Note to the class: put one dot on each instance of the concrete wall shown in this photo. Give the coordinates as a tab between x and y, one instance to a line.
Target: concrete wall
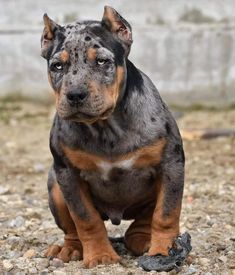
186	46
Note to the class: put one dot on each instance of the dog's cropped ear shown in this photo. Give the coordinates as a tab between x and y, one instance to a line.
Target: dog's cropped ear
115	23
48	36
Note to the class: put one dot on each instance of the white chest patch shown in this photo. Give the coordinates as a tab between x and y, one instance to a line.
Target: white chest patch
106	167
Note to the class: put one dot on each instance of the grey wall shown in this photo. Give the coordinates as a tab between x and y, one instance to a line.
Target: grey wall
186	46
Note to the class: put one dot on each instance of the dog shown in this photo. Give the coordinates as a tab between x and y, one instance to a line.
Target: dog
117	150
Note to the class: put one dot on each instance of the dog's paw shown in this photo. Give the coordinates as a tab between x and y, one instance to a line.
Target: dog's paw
64	253
177	254
91	261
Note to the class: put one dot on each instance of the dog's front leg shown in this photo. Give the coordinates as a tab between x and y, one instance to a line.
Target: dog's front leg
89	225
165	221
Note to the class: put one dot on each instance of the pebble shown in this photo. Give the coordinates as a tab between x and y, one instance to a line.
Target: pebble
17	222
233	272
220	247
189	260
39	167
59	272
44	272
7	265
223	259
191	270
13	239
29	253
41	263
57	263
4	190
33	270
204	261
12	254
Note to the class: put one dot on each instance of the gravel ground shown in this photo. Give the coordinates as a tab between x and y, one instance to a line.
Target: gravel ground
27	226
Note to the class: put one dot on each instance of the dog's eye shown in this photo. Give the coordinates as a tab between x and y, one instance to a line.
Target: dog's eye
101	61
58	66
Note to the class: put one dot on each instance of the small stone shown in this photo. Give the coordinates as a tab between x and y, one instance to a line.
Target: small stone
191	270
12	254
39	167
29	253
204	261
33	270
4	190
57	263
220	247
223	259
189	260
44	272
13	239
17	222
10	144
7	265
41	263
59	272
233	272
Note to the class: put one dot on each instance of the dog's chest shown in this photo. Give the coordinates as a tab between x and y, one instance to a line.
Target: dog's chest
103	166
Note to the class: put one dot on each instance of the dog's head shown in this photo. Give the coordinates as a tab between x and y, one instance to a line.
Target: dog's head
86	65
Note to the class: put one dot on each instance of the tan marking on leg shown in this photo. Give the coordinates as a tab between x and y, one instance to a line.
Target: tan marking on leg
72	246
138	235
64	56
92	233
62	209
165	228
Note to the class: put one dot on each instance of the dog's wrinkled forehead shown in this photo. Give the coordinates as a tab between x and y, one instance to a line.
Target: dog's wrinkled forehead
113	32
81	38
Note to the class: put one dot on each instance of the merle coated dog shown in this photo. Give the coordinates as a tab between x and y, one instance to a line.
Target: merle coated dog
116	147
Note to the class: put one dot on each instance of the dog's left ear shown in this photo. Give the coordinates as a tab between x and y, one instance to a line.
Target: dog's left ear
118	26
48	35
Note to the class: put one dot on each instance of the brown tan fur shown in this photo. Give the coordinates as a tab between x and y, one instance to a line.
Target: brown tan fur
64	56
47	30
144	156
110	17
164	228
91	54
72	248
96	246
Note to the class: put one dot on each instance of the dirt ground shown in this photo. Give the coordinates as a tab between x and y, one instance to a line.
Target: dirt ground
27	226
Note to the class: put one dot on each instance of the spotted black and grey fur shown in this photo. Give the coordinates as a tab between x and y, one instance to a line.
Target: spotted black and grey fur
109	114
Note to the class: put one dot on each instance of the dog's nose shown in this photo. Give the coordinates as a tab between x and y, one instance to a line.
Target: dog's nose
76	96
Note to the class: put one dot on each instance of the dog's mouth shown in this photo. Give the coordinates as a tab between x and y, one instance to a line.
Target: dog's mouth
89	118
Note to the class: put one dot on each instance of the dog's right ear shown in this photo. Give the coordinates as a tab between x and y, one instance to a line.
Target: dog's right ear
48	36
